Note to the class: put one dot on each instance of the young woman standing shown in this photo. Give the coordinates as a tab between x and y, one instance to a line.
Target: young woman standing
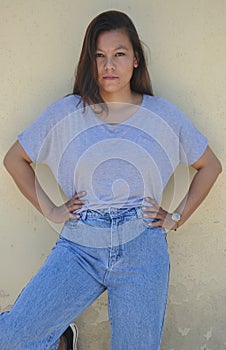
112	147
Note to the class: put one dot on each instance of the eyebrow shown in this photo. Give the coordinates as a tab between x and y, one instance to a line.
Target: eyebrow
117	48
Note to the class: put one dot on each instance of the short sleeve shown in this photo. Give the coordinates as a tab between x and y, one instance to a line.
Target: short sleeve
192	143
33	138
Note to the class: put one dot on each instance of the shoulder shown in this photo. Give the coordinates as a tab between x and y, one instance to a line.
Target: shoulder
166	110
161	106
55	113
58	110
67	104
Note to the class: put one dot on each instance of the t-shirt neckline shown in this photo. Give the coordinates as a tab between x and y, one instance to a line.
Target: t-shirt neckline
115	125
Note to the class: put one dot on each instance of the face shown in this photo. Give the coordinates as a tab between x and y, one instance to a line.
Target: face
116	61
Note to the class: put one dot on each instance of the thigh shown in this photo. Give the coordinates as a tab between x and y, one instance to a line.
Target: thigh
138	293
56	295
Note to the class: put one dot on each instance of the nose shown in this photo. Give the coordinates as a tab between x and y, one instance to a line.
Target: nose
109	63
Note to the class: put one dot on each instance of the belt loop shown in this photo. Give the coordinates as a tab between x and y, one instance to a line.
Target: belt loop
84	214
138	212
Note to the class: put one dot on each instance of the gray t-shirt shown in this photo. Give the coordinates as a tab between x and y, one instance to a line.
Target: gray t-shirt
117	165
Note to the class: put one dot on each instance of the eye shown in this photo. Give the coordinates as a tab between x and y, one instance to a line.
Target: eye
98	54
120	54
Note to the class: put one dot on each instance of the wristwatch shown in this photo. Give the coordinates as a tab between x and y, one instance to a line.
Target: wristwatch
176	217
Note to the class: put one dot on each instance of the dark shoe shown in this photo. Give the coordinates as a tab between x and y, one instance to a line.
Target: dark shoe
71	337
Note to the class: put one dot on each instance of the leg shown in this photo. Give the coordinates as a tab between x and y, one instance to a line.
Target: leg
59	292
138	287
62	344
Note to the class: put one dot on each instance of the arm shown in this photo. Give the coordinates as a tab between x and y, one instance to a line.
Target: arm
208	168
18	165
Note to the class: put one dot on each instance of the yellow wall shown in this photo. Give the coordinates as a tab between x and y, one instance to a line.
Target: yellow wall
40	43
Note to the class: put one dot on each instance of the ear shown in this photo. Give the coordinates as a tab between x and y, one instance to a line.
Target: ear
136	61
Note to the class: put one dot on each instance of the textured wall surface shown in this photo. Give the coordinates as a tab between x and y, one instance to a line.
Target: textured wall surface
40	43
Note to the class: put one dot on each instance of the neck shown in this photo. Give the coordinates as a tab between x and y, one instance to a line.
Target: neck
119	111
129	97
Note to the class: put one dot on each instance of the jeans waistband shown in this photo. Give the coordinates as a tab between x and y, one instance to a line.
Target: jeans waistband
109	227
112	212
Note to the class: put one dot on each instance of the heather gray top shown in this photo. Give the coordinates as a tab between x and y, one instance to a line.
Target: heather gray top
117	165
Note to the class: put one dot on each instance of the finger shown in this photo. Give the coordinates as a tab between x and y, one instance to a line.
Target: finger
152	201
79	195
154	216
77	202
151	214
73	207
149	209
158	223
74	216
156	210
148	213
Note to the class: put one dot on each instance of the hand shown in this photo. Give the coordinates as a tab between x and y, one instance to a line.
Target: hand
65	212
154	211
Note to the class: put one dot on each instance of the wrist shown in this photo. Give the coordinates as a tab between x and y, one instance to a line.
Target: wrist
50	212
176	217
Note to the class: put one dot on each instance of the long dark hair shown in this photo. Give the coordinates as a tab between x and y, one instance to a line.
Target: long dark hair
86	73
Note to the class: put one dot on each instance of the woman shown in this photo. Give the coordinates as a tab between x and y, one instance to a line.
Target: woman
115	146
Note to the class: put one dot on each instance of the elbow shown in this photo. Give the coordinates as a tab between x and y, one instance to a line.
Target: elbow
11	160
8	161
16	160
218	167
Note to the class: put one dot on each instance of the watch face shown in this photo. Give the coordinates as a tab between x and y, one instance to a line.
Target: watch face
176	217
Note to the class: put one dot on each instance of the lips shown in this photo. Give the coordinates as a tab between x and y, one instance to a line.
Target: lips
110	77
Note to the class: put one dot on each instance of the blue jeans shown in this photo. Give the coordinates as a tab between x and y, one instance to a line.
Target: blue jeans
135	273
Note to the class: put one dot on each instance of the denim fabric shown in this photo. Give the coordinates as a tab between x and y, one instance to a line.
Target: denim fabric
135	273
106	227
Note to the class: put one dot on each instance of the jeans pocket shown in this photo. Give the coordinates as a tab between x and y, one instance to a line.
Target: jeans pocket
160	229
146	222
72	223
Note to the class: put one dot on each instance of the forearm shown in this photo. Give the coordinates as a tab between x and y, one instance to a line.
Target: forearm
25	179
199	189
19	166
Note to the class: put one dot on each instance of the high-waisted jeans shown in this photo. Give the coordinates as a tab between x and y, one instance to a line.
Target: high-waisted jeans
112	249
